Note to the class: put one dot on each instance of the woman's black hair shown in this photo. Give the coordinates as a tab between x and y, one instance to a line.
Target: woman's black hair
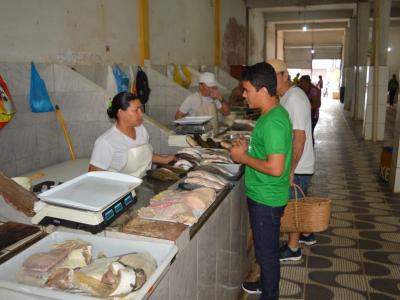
120	101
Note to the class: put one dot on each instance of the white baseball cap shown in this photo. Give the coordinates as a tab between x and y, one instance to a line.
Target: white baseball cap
208	79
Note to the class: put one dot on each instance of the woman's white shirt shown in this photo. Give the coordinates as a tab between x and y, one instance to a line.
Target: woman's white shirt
110	150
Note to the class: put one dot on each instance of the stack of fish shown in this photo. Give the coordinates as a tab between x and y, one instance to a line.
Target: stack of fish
188	158
69	266
218	170
179	206
204	178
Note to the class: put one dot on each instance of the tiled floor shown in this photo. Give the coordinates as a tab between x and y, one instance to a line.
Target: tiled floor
358	257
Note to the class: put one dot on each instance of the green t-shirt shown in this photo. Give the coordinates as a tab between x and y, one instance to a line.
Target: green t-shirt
271	135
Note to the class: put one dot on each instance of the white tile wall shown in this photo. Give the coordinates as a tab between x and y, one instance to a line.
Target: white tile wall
36	140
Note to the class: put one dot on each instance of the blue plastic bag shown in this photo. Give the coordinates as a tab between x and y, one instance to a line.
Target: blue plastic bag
39	99
121	79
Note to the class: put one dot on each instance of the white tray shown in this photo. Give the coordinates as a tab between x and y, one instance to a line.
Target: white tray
162	251
91	191
193	120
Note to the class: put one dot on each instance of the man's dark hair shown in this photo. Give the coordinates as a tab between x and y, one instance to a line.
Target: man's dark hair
261	75
306	78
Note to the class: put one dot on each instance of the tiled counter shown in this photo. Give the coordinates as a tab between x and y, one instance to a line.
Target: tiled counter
214	263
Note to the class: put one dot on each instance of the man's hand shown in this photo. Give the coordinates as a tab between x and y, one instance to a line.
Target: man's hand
239	149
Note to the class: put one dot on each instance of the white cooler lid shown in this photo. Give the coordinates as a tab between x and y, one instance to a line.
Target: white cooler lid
91	191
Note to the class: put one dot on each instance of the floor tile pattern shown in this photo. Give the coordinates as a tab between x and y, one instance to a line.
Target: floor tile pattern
358	257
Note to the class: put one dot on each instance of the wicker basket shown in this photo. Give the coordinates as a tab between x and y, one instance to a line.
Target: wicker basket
309	214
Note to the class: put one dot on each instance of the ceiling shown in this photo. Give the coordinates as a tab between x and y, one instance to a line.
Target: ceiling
326	20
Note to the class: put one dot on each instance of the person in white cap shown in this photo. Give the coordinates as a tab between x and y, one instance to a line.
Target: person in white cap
205	101
295	101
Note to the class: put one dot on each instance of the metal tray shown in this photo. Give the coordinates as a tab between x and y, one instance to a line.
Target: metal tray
193	120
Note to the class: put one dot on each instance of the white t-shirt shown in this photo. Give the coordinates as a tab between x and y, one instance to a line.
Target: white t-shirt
110	150
298	106
193	101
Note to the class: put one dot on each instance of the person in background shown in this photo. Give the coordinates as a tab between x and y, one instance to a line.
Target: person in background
236	98
320	83
267	160
203	102
393	88
296	80
294	100
125	146
314	95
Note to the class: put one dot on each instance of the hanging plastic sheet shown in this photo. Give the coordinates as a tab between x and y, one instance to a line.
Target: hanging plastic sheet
121	79
7	109
39	98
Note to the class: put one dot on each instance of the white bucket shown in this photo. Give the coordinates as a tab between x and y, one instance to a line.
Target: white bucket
25	182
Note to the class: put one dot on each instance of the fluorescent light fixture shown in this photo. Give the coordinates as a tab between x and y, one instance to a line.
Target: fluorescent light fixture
389	49
305	28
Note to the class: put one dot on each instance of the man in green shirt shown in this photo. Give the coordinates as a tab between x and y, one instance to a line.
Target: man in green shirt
267	159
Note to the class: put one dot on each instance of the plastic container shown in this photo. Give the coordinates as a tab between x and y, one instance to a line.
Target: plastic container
162	251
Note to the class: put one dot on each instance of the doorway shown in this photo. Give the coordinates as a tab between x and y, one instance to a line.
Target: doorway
329	69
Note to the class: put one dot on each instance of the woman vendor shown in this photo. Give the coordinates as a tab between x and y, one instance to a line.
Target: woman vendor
125	146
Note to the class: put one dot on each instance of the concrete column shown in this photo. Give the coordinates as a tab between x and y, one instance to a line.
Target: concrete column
349	64
363	12
375	106
270	41
256	36
394	181
279	45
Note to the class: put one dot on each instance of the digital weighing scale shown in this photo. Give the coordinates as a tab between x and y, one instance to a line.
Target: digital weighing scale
89	202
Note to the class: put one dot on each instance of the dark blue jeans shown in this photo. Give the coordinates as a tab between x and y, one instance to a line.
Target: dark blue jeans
303	181
265	223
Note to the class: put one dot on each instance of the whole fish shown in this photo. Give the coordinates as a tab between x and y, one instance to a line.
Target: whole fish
200	141
204	182
184	164
208	176
215	169
163	174
176	170
193	160
191	141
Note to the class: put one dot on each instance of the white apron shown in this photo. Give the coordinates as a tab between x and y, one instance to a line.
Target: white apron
208	109
138	161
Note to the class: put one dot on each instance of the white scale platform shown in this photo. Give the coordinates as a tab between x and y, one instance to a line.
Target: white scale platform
90	201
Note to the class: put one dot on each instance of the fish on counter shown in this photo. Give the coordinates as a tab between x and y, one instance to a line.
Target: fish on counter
163	174
189	157
204	182
184	164
212	144
226	145
216	169
209	176
191	142
178	206
200	141
176	170
69	266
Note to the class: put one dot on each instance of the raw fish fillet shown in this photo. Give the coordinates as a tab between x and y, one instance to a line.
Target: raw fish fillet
142	260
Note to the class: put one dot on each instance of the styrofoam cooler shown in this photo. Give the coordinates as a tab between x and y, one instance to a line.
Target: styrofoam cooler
162	251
